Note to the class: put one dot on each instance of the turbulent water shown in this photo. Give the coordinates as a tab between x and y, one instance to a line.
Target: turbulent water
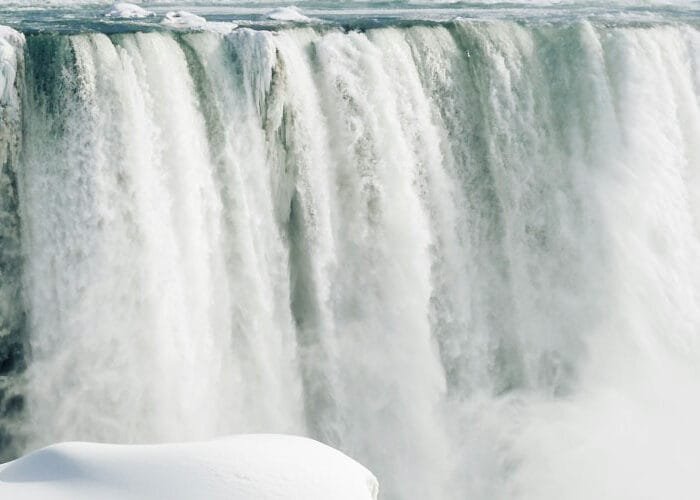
465	252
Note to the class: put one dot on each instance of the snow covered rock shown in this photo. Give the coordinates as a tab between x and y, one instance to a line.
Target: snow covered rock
245	467
292	14
183	19
124	10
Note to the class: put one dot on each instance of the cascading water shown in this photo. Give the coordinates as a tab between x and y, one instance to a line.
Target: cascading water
465	253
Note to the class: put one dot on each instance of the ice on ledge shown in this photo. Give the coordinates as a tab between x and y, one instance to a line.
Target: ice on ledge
261	467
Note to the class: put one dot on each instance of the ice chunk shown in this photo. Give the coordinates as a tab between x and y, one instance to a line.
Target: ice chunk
124	10
291	13
263	467
183	19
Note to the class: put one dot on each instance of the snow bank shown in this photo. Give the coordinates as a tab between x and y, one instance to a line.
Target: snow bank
183	19
292	14
11	42
260	467
124	10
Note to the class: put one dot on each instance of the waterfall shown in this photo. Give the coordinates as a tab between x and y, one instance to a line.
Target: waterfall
464	253
12	310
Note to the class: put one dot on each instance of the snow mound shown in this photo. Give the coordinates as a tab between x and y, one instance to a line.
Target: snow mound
245	467
11	42
183	19
124	10
292	14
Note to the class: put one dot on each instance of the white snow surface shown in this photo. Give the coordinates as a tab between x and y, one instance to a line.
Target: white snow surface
125	10
244	467
183	19
10	42
291	13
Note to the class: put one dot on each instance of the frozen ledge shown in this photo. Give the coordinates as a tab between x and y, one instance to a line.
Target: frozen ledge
245	467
